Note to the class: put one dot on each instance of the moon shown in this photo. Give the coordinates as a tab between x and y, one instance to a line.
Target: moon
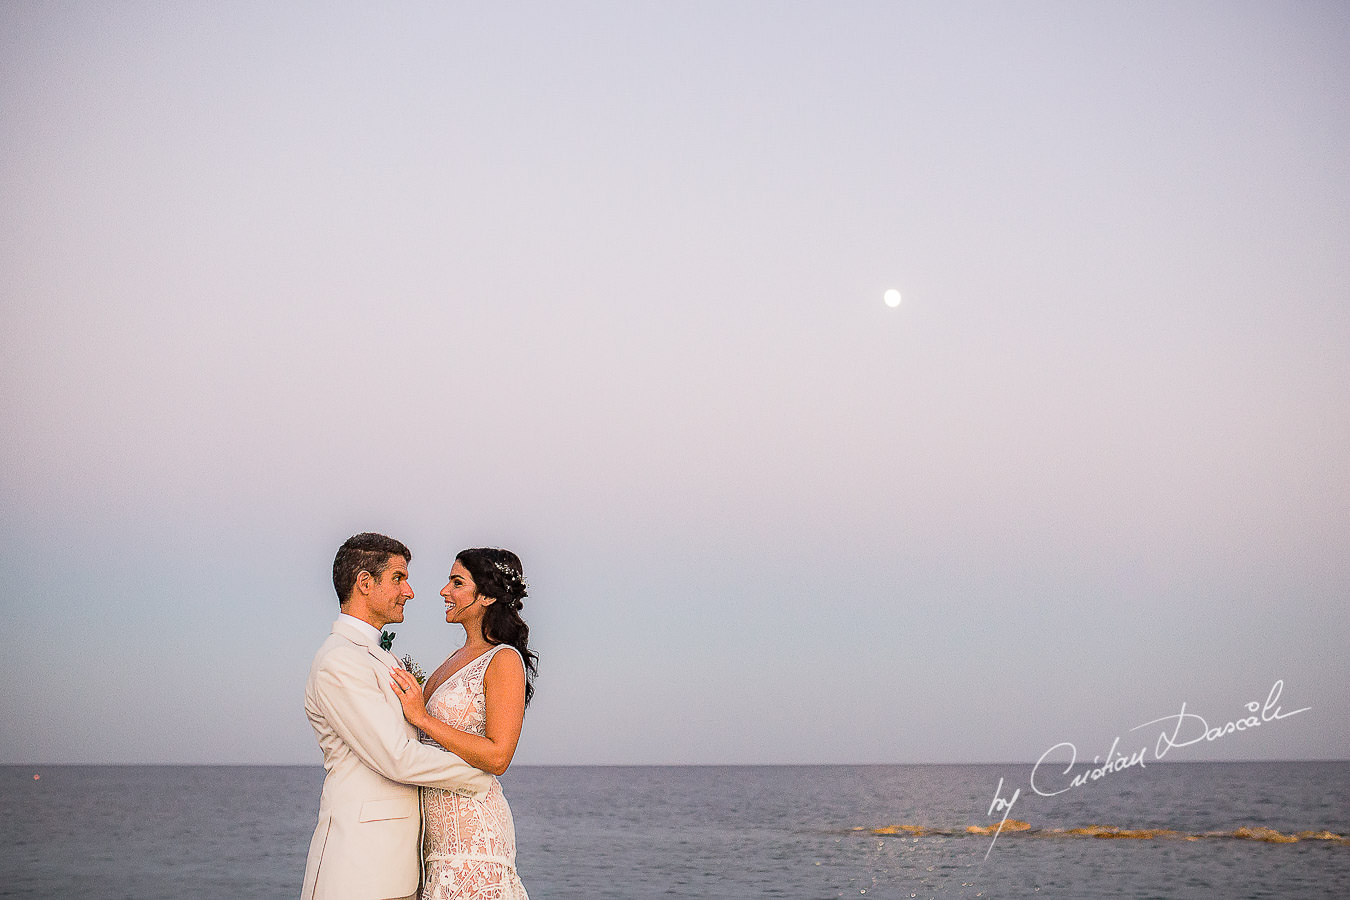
892	298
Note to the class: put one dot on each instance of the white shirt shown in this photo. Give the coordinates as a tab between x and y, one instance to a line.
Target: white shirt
365	628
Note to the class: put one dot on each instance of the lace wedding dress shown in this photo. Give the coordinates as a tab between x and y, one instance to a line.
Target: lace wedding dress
470	845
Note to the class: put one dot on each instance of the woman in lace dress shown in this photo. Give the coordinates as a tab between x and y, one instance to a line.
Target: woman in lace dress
473	705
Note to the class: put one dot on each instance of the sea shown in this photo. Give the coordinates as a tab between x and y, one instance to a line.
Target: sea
1183	830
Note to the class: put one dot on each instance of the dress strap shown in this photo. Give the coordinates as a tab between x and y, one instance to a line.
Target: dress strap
479	666
493	652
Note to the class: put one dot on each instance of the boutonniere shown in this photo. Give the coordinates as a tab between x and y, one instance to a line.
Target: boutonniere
387	639
414	669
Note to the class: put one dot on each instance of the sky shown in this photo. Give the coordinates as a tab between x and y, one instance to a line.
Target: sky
602	283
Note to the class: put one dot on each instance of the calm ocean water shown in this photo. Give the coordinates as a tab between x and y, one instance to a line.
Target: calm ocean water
225	833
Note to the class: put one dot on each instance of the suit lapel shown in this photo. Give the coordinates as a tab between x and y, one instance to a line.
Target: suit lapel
385	657
343	628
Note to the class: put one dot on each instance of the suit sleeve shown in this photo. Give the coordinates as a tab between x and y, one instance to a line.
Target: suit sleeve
348	692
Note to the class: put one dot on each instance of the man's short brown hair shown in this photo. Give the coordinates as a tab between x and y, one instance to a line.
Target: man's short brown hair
365	552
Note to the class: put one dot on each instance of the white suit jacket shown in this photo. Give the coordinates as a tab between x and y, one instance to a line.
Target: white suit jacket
366	844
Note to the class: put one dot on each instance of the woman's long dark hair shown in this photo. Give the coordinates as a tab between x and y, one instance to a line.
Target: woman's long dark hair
498	574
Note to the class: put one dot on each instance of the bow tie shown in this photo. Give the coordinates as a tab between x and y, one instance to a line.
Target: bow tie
387	639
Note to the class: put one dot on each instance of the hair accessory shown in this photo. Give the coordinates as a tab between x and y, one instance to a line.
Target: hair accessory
512	573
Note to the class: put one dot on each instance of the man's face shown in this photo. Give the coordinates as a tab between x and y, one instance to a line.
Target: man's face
389	592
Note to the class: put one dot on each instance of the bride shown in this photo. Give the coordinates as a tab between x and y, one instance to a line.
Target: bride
473	705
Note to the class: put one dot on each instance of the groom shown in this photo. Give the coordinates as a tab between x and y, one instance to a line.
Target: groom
366	844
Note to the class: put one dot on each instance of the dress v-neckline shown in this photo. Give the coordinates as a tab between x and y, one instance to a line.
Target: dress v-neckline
452	675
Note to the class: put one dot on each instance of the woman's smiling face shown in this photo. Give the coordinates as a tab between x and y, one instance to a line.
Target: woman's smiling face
461	595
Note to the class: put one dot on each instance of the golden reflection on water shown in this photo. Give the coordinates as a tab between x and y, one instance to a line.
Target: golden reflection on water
1016	826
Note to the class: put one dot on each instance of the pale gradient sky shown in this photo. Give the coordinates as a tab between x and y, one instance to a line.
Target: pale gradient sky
603	283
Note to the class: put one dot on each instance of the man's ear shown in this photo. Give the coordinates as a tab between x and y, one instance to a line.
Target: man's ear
364	581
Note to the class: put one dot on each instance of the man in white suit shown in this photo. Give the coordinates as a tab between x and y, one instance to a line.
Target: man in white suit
366	846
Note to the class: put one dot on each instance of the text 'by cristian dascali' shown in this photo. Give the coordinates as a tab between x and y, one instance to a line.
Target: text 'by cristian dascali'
1182	729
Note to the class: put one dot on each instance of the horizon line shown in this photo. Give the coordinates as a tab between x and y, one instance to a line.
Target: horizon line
613	765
